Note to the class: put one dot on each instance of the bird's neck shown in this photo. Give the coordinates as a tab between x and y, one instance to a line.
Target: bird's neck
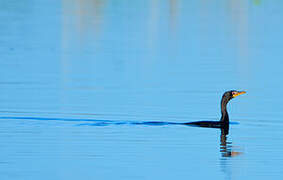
224	113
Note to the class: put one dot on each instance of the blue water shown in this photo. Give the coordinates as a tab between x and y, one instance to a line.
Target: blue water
82	81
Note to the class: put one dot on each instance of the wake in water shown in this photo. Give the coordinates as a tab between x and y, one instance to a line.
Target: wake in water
97	122
149	123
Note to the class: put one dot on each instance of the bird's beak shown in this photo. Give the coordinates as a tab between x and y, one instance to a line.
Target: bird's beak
238	93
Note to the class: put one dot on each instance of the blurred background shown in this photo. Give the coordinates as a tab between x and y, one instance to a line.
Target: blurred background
67	65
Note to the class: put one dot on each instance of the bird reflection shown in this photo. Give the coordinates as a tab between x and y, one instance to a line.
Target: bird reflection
226	148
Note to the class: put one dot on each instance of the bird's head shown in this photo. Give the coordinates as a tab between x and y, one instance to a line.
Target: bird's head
228	95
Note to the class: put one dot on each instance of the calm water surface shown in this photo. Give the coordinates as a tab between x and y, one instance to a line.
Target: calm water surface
78	79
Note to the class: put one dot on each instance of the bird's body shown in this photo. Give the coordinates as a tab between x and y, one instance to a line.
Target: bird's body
209	124
224	120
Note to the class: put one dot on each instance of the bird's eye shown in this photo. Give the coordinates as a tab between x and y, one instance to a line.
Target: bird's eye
234	93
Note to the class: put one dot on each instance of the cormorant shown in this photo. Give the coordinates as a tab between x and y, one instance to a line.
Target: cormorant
224	121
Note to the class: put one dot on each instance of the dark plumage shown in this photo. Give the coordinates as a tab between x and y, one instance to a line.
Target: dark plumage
224	120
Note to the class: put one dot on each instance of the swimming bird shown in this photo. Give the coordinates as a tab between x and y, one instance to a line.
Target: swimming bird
224	120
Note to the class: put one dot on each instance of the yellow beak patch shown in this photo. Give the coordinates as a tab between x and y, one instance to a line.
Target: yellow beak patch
235	94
